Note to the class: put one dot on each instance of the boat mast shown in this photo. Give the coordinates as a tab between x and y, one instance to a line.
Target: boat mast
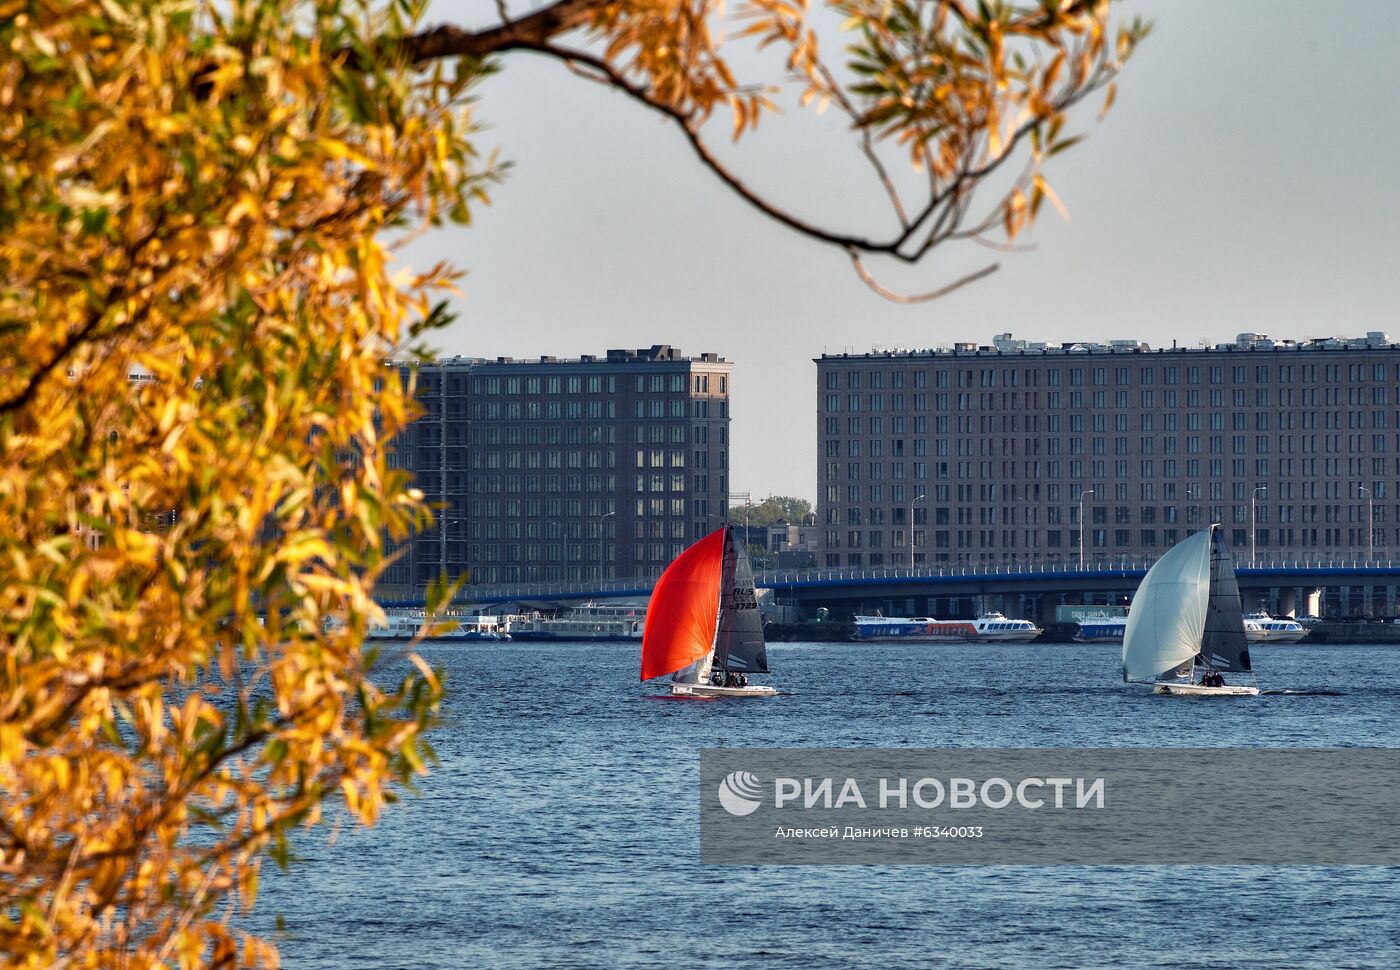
719	606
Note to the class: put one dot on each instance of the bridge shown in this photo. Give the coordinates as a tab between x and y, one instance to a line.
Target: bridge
1348	587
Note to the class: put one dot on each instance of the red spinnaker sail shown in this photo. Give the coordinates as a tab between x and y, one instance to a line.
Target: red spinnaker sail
684	607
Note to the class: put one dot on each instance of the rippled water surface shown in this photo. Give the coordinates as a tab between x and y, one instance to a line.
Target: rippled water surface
560	828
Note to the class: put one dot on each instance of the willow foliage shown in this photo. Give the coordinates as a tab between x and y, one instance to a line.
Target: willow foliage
195	303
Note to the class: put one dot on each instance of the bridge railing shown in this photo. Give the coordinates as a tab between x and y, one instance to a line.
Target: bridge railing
1068	570
642	585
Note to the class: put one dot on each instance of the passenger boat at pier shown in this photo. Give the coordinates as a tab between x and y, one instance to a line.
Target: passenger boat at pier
405	625
1263	628
1101	628
988	626
581	623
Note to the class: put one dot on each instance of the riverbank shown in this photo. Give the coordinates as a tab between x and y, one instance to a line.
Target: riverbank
1362	632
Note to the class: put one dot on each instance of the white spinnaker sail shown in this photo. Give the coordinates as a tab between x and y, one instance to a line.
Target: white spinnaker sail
1168	614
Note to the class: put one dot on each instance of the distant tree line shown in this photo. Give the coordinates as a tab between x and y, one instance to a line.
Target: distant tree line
771	511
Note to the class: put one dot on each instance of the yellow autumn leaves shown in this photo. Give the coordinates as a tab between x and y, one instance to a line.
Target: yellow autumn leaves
194	410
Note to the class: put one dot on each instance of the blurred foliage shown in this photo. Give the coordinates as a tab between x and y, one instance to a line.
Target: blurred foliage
195	305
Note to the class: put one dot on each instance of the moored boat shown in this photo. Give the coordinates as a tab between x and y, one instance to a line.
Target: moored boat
1101	628
988	626
581	623
1263	628
407	624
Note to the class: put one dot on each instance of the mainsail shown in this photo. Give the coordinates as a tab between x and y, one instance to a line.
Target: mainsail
1223	645
680	625
739	643
1168	616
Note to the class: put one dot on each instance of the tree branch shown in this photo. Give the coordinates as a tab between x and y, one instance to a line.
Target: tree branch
894	297
449	40
945	207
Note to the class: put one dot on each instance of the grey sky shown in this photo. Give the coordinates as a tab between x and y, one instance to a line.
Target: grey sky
1244	181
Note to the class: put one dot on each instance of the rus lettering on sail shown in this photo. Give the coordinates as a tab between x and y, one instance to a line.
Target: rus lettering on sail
745	599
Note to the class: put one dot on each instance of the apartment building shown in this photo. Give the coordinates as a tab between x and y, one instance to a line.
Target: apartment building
1049	452
555	469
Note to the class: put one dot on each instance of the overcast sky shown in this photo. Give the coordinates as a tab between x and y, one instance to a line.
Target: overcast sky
1245	180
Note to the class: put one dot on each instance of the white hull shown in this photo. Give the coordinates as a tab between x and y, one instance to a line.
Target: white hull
924	629
710	690
1274	636
953	638
1263	628
1199	690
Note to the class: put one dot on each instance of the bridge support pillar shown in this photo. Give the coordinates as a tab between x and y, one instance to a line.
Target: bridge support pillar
1045	615
1250	600
1288	601
1314	602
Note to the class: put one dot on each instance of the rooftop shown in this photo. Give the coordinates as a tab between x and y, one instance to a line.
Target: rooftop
1003	344
656	353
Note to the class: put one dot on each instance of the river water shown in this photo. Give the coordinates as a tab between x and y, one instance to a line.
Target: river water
560	828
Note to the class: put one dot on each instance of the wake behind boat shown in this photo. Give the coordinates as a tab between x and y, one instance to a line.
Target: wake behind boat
703	627
1186	622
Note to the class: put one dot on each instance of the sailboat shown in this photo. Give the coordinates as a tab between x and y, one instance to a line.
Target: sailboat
1186	627
703	626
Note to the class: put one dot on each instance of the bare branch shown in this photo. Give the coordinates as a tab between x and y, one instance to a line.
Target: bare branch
866	143
1002	247
449	40
939	219
611	76
894	297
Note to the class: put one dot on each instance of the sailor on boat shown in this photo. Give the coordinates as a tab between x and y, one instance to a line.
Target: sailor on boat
1186	618
703	625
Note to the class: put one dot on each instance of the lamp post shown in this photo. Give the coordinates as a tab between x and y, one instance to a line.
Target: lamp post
1370	532
1252	496
918	498
600	542
1087	491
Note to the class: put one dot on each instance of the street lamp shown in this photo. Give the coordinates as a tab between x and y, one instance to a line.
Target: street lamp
918	498
1087	491
600	542
1252	496
1370	532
